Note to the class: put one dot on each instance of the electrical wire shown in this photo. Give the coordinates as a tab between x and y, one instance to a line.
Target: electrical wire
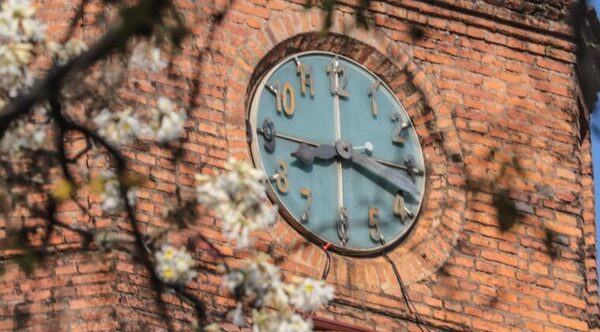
327	266
409	304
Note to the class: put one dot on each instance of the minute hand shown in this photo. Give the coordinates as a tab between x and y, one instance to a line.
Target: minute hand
399	180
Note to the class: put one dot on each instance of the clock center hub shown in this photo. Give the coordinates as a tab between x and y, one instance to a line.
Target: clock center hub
344	149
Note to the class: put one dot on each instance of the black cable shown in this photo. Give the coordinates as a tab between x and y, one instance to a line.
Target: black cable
409	304
327	266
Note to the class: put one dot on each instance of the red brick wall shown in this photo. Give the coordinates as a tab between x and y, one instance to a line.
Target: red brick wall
486	78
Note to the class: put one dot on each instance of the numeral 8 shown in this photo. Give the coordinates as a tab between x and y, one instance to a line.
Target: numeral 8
281	180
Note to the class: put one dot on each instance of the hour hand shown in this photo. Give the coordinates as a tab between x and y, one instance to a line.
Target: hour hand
307	154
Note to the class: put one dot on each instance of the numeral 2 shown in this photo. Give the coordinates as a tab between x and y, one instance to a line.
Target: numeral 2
400	126
337	78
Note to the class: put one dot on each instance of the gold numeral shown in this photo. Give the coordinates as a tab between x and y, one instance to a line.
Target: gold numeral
338	79
306	78
281	180
400	209
372	93
286	100
343	226
307	194
374	230
400	126
284	97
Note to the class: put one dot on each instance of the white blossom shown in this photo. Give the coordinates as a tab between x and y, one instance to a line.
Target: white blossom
14	73
236	316
166	123
117	127
174	266
23	135
65	52
214	327
147	56
111	193
311	294
238	197
295	323
17	23
232	280
19	32
259	280
265	320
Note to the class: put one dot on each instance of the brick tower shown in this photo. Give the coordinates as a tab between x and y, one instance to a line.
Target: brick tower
505	238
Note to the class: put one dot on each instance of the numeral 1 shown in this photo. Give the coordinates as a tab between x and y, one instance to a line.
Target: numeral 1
374	231
372	93
307	194
307	78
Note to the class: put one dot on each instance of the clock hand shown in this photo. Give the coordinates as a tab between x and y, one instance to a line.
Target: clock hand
307	154
286	137
343	150
399	180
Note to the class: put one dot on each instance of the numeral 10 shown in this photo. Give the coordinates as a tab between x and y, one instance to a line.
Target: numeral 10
285	97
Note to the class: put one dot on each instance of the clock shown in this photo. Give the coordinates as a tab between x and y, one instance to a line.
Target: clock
341	155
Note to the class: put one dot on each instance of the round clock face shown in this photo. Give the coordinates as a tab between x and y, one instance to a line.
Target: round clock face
342	157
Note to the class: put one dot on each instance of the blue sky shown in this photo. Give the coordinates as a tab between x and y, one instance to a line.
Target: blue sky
595	124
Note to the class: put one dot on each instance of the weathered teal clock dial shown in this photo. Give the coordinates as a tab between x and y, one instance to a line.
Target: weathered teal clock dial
342	157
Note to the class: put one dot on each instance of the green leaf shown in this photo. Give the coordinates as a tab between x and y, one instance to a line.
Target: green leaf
26	262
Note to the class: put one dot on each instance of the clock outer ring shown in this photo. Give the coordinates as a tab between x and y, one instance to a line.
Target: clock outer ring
283	210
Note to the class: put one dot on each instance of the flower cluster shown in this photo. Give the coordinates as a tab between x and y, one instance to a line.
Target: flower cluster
174	266
19	33
239	199
260	281
269	321
23	136
310	295
118	128
166	124
108	187
62	53
146	55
